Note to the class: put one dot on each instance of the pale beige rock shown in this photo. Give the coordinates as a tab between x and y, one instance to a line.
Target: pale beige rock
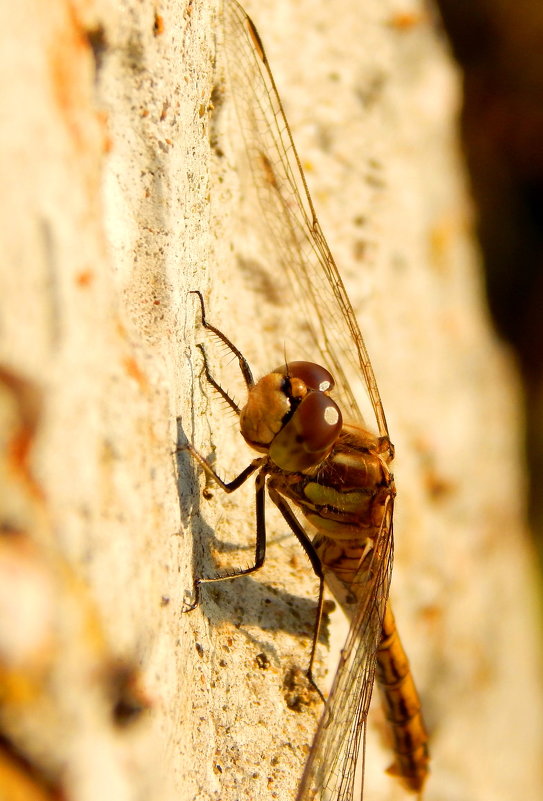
114	207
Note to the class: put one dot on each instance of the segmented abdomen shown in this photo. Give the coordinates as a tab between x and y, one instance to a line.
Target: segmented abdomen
402	708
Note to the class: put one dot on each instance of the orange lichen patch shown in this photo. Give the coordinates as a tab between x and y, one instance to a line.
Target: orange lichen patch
431	614
440	241
443	236
71	74
102	118
20	401
158	27
121	329
133	369
405	20
84	278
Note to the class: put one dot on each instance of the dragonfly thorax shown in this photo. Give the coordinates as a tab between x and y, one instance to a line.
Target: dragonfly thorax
290	416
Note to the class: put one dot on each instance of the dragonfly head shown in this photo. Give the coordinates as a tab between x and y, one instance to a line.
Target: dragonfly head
290	415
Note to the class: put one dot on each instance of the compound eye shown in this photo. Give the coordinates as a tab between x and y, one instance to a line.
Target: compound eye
318	421
313	375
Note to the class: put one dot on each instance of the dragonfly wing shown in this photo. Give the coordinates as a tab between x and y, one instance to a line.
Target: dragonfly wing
288	220
317	298
330	769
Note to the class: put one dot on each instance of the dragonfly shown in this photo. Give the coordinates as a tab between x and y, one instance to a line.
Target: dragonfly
320	457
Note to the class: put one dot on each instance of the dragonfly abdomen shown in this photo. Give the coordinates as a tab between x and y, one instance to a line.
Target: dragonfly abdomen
402	708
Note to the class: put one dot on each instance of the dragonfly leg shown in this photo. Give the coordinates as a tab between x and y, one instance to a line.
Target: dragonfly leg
260	546
243	363
307	545
215	384
230	486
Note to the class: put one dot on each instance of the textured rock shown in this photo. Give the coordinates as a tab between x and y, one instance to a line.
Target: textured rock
118	207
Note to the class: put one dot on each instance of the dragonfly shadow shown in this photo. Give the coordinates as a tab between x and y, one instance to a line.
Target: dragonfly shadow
243	600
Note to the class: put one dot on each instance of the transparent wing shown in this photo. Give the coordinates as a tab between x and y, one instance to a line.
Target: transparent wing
329	772
288	218
289	223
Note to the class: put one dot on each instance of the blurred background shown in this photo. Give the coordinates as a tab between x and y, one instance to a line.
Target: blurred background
499	46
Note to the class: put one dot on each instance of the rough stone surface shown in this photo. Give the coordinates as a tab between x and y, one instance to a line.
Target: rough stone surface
117	207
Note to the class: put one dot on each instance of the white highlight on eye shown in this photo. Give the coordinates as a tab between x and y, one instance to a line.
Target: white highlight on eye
324	386
331	415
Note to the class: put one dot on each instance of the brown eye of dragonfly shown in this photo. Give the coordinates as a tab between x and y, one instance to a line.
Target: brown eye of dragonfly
308	436
313	375
318	422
